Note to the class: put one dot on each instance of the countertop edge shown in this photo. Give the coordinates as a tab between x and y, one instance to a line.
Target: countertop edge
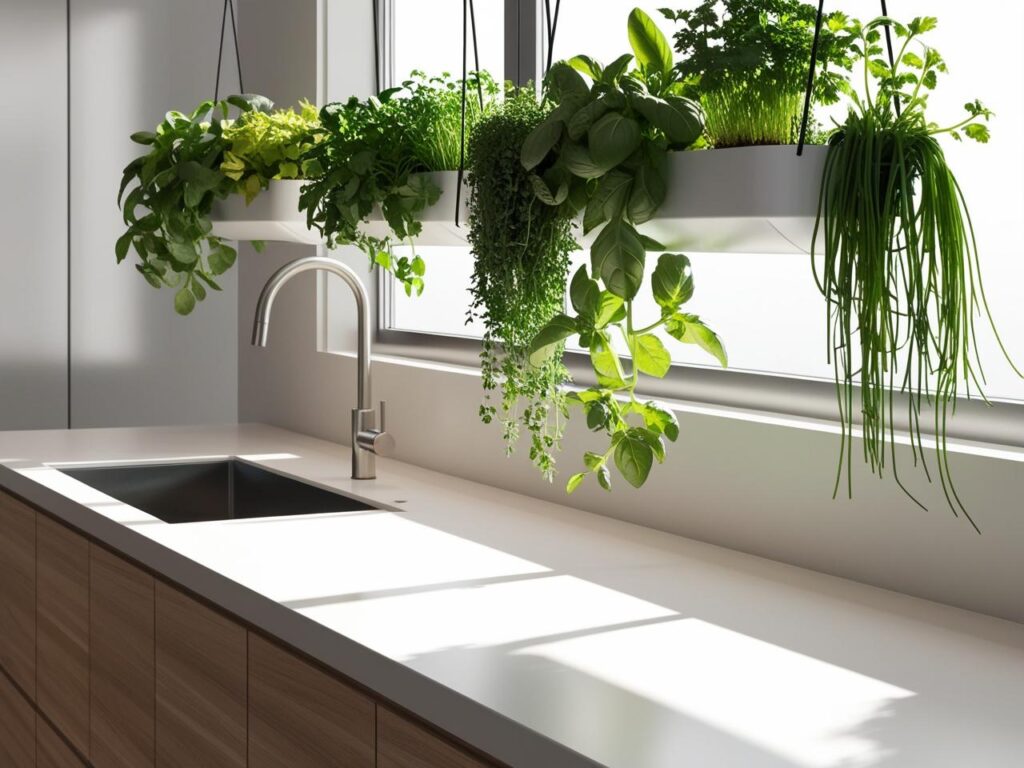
479	726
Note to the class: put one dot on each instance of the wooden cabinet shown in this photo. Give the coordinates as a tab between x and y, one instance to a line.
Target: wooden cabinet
299	715
18	592
121	640
200	684
402	743
62	630
105	666
51	750
17	727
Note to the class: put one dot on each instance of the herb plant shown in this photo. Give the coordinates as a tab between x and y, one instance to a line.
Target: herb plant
374	153
263	146
747	59
170	191
521	248
900	269
603	150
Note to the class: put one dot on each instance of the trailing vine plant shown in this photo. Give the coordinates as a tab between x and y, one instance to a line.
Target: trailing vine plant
899	264
521	248
375	153
747	61
603	150
171	189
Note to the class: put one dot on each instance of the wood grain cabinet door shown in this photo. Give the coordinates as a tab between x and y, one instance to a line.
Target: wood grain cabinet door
51	751
402	743
301	716
18	592
62	630
200	685
17	728
121	637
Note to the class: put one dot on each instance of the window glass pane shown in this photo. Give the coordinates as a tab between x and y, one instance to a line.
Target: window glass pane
428	36
444	304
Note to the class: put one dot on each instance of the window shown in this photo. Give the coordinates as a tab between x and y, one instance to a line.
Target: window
766	308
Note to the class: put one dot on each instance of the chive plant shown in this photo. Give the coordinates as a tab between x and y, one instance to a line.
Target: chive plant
899	267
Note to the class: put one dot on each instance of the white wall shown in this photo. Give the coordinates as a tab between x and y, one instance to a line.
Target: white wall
133	360
760	486
33	214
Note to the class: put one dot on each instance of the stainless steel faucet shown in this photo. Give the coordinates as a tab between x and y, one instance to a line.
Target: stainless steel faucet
367	440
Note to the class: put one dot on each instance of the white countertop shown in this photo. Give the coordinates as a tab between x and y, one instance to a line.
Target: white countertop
547	636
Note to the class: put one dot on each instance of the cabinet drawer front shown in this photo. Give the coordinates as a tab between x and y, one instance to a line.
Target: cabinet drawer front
300	716
121	646
402	743
17	728
62	650
18	592
200	684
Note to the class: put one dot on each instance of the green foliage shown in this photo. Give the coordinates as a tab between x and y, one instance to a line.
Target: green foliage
268	145
900	269
521	248
375	153
748	59
602	150
166	195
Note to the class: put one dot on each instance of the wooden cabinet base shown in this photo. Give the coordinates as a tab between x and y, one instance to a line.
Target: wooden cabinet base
200	685
299	715
17	727
402	743
62	641
51	751
121	638
18	592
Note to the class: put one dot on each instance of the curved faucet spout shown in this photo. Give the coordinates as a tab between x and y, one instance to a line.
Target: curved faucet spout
261	324
368	438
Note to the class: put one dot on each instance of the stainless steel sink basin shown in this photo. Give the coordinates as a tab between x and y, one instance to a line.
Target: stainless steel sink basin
221	490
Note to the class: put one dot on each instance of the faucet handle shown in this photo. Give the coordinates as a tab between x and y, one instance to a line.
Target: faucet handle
375	440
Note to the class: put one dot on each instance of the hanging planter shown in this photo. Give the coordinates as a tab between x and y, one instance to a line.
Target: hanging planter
443	223
273	215
739	200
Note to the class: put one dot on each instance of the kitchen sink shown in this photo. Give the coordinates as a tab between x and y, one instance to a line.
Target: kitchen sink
220	490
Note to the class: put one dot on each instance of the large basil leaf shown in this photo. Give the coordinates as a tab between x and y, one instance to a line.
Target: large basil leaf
650	355
608	200
634	457
648	43
539	142
672	281
617	255
690	330
544	344
585	295
648	194
579	162
612	139
607	366
564	82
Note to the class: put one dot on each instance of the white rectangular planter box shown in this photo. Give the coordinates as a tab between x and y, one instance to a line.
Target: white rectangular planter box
438	220
739	200
273	215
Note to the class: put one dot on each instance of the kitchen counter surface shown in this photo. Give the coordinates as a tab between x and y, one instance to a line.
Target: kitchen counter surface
550	637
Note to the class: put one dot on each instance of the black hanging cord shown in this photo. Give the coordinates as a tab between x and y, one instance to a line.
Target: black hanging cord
468	13
552	29
892	61
377	76
810	78
814	59
228	6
